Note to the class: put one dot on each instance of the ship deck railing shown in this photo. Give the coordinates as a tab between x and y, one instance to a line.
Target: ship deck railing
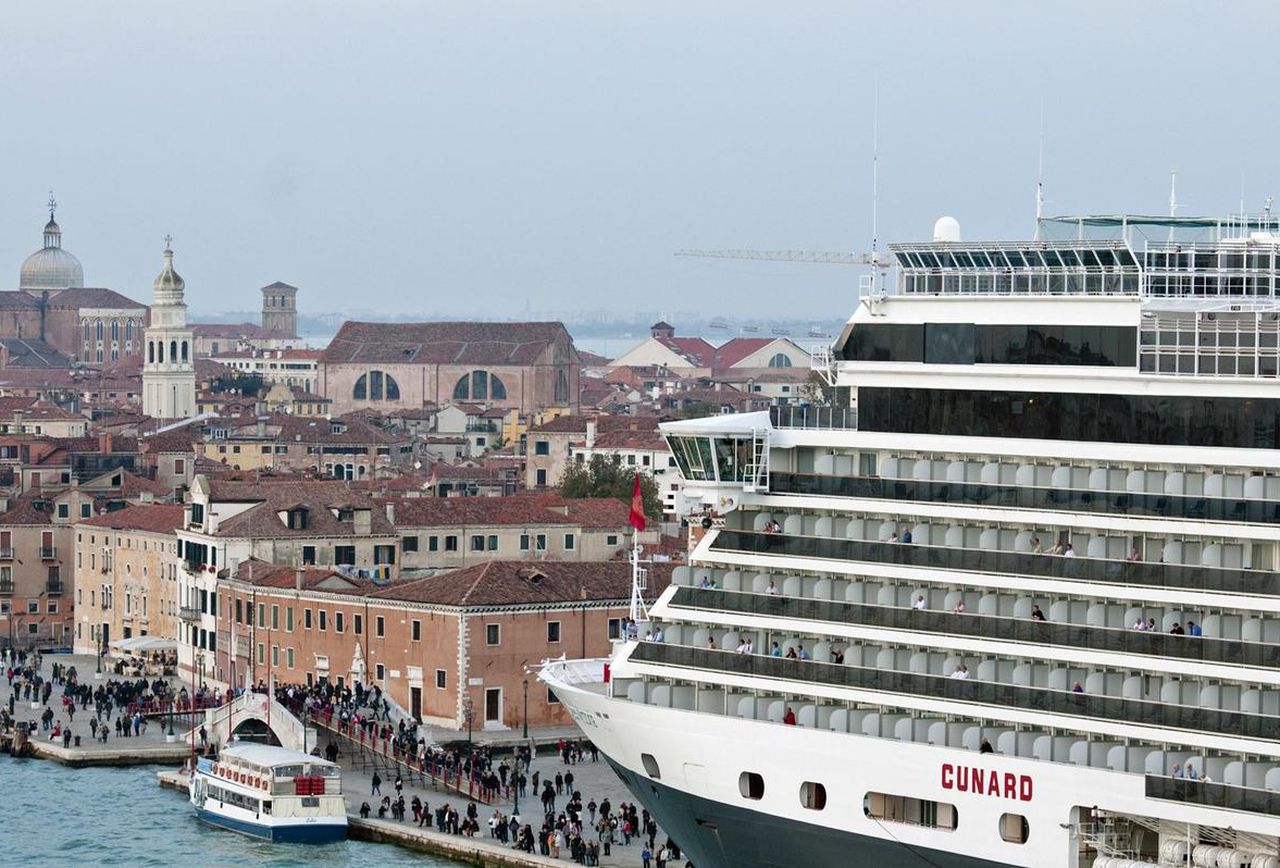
1079	569
1060	744
1060	703
813	417
1238	510
972	625
1213	794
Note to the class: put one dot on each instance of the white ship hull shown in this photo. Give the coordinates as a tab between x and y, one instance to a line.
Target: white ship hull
698	802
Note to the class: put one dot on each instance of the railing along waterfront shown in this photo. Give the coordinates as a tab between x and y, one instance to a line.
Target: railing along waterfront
1240	510
1078	569
1010	697
1079	637
1213	795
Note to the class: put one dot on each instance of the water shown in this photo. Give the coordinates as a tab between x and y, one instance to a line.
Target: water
54	815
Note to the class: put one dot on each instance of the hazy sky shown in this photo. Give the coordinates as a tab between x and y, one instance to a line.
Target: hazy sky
476	158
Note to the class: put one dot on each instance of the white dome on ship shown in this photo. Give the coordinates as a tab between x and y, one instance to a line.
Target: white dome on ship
51	267
946	229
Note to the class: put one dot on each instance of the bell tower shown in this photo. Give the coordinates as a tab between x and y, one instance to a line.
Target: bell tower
168	363
280	310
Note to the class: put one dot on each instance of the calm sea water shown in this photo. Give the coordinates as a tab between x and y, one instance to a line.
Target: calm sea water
53	815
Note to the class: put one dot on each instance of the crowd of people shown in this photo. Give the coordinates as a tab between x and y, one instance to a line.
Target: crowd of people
570	828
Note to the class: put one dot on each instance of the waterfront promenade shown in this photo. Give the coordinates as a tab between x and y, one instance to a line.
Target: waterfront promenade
152	746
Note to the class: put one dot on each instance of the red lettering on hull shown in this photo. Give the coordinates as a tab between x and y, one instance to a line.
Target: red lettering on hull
984	782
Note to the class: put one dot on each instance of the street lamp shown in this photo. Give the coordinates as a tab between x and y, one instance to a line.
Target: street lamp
525	728
468	714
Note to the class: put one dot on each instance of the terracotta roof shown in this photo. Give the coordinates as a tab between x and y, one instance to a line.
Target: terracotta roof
514	583
696	350
267	575
89	296
736	349
32	508
604	422
155	518
444	343
461	511
272	496
630	440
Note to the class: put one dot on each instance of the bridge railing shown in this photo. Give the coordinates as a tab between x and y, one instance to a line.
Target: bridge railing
430	768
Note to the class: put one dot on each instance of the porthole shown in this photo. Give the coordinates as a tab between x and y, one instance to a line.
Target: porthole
1014	828
651	766
813	796
751	785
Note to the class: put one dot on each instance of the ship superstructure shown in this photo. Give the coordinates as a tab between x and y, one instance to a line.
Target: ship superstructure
1010	599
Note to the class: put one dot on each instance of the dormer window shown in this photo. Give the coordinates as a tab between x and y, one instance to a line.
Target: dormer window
296	518
346	513
337	427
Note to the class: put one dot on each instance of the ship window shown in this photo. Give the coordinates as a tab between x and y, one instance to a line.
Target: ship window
751	785
1014	828
813	796
650	766
913	812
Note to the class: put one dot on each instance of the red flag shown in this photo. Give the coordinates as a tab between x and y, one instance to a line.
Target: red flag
637	506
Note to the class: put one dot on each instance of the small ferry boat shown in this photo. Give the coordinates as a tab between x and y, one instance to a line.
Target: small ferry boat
270	793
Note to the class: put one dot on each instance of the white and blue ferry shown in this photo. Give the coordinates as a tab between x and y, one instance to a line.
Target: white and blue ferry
270	793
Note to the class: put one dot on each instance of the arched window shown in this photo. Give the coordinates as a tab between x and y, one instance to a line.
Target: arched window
115	330
99	330
86	331
780	360
128	330
184	351
151	352
173	351
160	352
376	386
562	387
479	386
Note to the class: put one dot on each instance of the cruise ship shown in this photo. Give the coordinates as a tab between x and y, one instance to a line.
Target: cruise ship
1010	598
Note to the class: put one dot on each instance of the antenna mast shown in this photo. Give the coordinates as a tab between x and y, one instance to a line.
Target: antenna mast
875	171
1040	173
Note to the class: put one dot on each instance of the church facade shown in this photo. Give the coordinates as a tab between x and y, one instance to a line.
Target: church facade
52	310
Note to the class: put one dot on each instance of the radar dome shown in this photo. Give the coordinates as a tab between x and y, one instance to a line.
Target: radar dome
946	229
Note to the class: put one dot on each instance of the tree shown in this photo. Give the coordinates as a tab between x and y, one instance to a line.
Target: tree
607	476
699	410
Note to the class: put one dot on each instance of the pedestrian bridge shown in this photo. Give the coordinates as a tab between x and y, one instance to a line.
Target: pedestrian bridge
257	717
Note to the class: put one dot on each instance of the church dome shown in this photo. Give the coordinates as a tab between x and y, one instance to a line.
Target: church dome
51	267
168	284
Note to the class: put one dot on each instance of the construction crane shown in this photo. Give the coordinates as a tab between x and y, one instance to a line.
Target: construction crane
819	256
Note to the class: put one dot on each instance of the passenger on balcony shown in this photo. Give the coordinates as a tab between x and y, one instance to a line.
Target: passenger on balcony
1191	772
1036	614
906	534
1036	547
1068	551
893	537
790	717
775	651
1177	771
772	589
791	654
1193	629
772	526
961	672
1177	630
1057	548
837	656
803	654
919	605
746	646
711	642
1151	625
1134	554
985	746
1141	624
959	607
1077	688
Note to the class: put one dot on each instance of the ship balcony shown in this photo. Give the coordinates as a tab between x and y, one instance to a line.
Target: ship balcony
1062	744
1034	689
992	561
1238	510
1213	794
941	620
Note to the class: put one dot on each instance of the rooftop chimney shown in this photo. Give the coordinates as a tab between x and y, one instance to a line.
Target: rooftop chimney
391	512
104	443
300	578
591	433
